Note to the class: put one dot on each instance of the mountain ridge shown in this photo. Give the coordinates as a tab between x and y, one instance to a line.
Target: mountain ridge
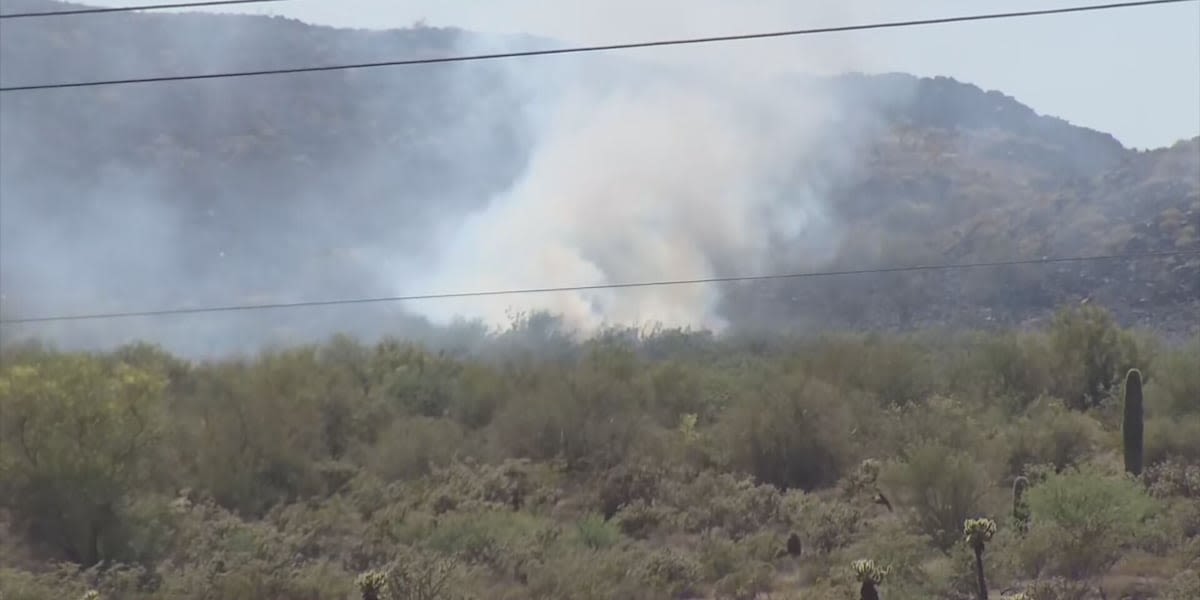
948	172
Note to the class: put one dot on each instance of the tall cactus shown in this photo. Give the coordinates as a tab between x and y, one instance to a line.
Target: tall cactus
978	532
1133	427
1020	509
871	576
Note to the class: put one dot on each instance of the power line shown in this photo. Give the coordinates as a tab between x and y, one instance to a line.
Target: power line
117	9
582	49
604	286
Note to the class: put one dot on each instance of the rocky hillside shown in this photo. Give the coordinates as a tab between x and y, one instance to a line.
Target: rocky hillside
283	173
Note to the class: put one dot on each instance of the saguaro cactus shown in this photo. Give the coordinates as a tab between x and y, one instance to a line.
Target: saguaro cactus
1020	509
1133	426
871	576
978	532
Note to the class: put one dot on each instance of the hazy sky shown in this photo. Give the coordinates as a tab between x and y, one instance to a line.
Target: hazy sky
1131	72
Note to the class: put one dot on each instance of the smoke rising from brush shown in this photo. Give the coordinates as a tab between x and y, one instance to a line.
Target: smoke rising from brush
634	181
567	171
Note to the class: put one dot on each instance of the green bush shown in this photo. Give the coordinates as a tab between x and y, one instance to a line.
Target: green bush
625	466
1173	439
594	532
734	505
414	447
823	525
1175	390
1083	521
1049	434
943	487
1091	355
790	431
1014	367
1184	586
79	437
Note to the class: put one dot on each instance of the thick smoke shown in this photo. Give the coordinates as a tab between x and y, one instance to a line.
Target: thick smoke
564	171
640	182
651	170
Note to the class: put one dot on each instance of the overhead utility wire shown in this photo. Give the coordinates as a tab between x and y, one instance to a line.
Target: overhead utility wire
603	286
118	9
582	49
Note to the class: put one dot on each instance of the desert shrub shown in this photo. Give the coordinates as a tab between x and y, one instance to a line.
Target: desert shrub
584	574
599	472
1175	390
732	567
254	580
483	538
416	575
905	552
626	484
23	585
253	433
790	431
674	572
943	487
823	525
735	505
1172	439
640	520
942	420
1009	366
413	447
412	380
589	417
507	485
1090	355
677	389
751	580
332	530
592	531
1173	479
1057	588
896	370
476	394
213	537
1183	586
1049	434
1082	521
78	439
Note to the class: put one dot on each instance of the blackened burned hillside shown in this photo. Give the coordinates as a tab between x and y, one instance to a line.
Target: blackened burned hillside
290	177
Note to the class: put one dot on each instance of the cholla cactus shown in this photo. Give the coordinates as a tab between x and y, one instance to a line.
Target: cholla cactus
870	575
977	533
1016	596
372	585
91	595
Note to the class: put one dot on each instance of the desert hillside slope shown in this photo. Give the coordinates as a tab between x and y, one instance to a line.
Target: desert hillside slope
290	176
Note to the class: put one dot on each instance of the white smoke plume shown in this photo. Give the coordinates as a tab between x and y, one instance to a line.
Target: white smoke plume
553	171
638	179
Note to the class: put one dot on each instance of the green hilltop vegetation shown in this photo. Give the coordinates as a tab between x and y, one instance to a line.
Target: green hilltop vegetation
672	464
